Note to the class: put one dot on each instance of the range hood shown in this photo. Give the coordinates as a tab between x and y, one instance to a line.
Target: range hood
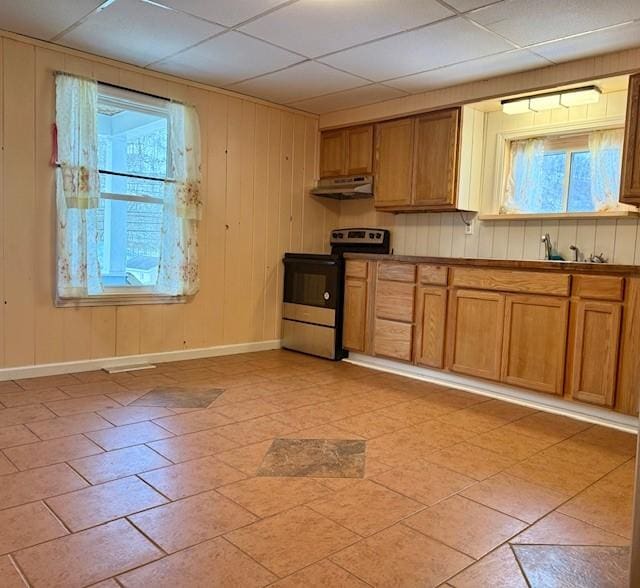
345	188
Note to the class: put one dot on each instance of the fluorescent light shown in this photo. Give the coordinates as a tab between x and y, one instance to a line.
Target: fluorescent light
580	96
517	106
545	102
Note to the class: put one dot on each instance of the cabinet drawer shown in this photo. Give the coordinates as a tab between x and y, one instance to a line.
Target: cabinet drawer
511	281
433	274
598	287
356	268
397	272
395	300
393	339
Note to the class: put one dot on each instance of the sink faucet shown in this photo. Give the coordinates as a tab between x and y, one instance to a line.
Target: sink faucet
576	251
546	239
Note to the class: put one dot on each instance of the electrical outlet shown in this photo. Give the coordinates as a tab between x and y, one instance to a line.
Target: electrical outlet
468	228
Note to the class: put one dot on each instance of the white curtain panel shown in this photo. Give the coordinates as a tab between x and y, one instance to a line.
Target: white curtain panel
606	161
77	187
178	273
523	190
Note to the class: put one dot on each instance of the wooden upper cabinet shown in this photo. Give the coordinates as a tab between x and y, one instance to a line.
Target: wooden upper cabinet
436	159
346	152
595	340
393	165
535	339
630	184
474	333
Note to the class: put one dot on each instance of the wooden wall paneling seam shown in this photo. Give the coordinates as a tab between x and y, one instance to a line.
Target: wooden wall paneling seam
297	184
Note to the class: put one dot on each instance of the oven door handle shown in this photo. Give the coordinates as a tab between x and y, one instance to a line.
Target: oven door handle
328	262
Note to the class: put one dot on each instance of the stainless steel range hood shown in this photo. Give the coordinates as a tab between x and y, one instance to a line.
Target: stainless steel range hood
345	188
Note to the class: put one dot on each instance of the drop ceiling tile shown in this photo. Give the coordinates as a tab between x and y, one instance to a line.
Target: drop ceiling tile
469	71
226	12
616	38
296	83
436	45
226	59
349	99
466	5
43	19
138	32
533	21
317	27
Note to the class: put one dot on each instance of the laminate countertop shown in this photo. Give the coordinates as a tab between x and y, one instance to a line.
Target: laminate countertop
519	264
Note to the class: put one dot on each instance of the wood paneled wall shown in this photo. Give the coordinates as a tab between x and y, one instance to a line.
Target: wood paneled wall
259	161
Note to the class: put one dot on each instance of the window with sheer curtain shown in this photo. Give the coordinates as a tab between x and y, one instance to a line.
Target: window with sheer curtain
128	193
564	174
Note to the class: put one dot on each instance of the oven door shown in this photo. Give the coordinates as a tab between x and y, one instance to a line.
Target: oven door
312	280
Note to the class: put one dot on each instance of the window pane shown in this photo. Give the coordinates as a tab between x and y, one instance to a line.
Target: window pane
552	182
580	183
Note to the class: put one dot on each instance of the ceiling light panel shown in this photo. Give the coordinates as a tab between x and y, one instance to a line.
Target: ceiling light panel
228	58
318	27
516	106
138	32
436	45
533	21
580	97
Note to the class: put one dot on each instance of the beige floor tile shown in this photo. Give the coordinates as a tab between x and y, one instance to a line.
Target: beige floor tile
110	583
321	575
6	467
192	520
400	556
366	507
68	425
93	388
255	430
413	412
107	550
23	487
16	435
471	460
192	477
559	529
516	497
213	563
510	443
304	417
127	435
27	397
246	459
46	382
611	439
133	414
92	506
84	404
191	422
499	569
291	540
44	453
268	496
192	446
24	414
425	482
473	420
120	463
597	459
9	386
93	376
27	525
250	409
547	426
326	431
11	578
369	425
466	526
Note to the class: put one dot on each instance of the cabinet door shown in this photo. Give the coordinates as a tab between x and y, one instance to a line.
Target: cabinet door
333	150
475	333
355	314
595	343
535	339
630	184
359	150
394	163
393	339
436	159
430	326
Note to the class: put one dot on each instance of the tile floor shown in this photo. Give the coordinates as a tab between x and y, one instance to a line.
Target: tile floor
279	469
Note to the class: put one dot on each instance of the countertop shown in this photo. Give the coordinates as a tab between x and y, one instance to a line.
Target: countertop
519	264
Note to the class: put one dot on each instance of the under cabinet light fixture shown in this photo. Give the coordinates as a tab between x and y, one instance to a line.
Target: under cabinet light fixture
549	100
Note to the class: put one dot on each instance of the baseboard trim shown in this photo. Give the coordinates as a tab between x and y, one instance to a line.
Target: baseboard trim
87	365
583	412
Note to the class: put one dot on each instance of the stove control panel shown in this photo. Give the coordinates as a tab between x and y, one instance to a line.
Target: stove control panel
372	236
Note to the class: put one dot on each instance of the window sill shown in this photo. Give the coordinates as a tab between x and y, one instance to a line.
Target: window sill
561	216
119	299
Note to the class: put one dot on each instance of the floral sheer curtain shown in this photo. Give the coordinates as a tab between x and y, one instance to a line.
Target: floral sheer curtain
77	187
605	148
523	190
178	272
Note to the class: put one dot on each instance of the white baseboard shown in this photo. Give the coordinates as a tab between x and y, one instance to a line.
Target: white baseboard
87	365
576	410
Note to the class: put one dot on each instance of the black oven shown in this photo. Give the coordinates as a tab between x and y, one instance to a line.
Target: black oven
312	280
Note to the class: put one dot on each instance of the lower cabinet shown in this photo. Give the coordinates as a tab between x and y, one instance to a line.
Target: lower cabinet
355	314
535	339
431	318
595	335
393	339
475	333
